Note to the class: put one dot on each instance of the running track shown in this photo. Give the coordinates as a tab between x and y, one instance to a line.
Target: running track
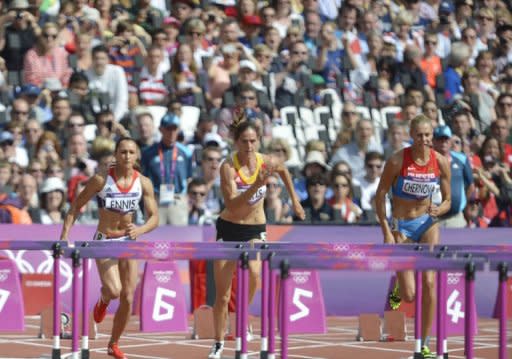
338	343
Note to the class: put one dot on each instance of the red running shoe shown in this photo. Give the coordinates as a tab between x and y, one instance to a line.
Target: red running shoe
100	311
113	350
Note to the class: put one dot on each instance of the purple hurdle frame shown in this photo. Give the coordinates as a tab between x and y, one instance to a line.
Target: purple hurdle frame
245	303
503	276
75	256
56	300
85	309
265	293
418	314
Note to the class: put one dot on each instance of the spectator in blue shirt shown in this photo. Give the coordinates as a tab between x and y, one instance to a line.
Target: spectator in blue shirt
462	183
168	164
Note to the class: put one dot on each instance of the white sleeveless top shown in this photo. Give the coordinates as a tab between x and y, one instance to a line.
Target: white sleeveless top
117	199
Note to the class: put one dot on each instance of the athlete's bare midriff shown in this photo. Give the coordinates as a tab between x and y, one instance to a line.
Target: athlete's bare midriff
246	214
113	224
409	209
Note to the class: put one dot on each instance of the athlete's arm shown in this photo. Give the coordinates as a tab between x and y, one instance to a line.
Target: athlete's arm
391	170
93	186
232	200
273	164
150	207
445	174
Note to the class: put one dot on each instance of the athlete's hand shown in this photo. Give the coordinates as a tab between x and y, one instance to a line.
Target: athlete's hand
389	239
434	210
263	174
133	231
298	210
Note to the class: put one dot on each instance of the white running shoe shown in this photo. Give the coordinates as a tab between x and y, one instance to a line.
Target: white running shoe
216	352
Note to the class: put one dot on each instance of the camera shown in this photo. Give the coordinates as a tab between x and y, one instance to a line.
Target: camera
211	17
81	165
19	15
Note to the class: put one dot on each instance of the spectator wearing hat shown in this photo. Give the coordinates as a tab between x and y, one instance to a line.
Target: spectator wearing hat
461	184
355	151
10	151
315	205
251	27
314	165
46	59
18	33
168	164
52	201
108	79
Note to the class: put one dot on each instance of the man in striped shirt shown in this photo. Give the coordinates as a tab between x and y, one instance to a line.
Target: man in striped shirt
150	90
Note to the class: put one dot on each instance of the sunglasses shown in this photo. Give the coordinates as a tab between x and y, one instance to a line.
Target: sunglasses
50	36
347	113
272	185
195	33
431	42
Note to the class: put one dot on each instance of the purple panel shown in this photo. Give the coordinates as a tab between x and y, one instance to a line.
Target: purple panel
11	307
306	306
163	307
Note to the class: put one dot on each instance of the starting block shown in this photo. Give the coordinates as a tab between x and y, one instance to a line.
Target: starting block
369	328
395	328
46	325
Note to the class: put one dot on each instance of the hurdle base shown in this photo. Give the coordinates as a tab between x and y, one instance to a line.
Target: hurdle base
264	354
238	354
445	356
55	353
84	354
418	356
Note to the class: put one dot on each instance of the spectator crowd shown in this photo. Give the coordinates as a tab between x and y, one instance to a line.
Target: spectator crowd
331	85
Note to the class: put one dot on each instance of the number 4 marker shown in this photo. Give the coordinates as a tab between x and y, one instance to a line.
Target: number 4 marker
453	307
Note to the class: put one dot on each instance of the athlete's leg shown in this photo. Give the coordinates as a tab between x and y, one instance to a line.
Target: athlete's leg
110	281
406	282
223	273
431	236
128	270
254	272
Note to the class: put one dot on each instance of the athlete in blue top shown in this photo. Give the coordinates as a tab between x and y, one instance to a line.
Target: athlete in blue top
413	174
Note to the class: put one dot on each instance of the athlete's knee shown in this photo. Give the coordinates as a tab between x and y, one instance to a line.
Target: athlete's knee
408	294
254	276
222	299
111	291
126	296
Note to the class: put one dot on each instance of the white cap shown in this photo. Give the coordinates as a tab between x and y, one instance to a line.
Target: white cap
53	184
214	137
318	158
248	64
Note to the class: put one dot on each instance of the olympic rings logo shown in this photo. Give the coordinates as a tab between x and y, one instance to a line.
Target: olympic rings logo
163	276
342	247
160	250
301	277
357	255
4	274
453	278
44	266
377	264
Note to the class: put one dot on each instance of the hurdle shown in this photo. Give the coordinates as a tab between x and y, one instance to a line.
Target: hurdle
57	249
400	260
